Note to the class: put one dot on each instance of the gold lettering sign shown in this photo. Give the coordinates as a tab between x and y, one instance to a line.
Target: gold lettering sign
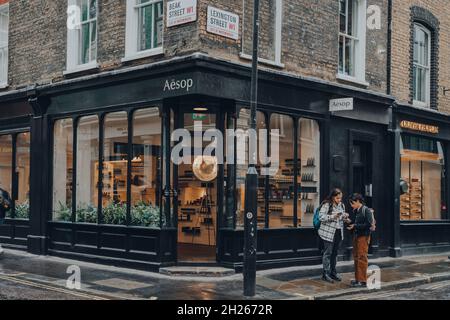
419	127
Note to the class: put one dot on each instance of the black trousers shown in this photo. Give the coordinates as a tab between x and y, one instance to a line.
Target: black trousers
330	254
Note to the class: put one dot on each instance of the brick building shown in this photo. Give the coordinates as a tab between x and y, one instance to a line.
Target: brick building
92	91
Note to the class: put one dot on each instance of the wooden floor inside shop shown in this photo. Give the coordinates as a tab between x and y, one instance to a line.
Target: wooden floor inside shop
196	253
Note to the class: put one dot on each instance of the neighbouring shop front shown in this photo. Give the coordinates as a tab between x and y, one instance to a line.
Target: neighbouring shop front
102	147
15	165
422	156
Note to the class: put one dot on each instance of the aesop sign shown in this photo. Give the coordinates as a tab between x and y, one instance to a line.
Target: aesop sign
345	104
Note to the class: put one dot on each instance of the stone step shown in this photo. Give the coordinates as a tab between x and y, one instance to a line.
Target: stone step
189	271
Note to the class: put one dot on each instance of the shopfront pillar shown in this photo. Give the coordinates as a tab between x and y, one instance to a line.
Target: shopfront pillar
39	177
394	221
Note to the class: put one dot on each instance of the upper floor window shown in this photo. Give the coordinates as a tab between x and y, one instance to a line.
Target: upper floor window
270	33
144	30
422	65
352	39
82	34
4	29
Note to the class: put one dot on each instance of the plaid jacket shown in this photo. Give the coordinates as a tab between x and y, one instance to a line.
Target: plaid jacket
329	226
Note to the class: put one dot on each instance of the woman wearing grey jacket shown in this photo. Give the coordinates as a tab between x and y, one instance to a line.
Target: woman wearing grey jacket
332	216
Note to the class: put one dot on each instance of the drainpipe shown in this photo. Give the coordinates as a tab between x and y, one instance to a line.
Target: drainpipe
389	50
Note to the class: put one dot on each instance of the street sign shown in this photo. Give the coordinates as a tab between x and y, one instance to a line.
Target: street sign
345	104
181	12
223	23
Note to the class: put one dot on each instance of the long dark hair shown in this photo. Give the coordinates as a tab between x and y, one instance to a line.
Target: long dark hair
334	193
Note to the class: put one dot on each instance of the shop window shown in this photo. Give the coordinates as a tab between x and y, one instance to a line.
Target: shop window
243	123
87	157
422	167
146	168
6	158
144	28
4	31
309	171
82	34
281	194
115	168
62	170
271	20
352	39
22	206
422	65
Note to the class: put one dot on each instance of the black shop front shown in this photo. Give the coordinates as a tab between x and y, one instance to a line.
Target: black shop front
104	186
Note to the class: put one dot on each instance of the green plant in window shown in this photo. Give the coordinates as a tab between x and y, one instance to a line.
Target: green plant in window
87	214
115	214
146	215
63	213
22	210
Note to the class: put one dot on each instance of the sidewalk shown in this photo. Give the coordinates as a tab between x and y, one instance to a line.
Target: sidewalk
104	282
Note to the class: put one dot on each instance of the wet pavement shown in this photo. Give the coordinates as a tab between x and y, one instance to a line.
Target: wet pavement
29	277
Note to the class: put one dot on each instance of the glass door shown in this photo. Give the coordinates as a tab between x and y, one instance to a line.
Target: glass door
197	194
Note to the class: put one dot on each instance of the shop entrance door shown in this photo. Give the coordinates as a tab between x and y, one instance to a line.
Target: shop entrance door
197	195
362	169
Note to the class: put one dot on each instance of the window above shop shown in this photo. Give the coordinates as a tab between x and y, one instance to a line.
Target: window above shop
81	35
271	21
144	29
352	41
422	65
4	30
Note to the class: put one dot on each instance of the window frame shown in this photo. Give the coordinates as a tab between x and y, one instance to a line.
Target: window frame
132	34
359	43
4	76
278	37
428	32
445	180
14	175
297	208
74	40
101	116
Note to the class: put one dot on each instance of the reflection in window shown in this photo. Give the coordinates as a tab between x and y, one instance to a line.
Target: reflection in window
115	168
62	170
422	65
6	165
281	203
150	24
309	171
22	207
422	167
145	168
87	169
243	123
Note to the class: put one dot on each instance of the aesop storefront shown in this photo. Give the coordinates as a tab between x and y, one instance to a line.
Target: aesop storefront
103	148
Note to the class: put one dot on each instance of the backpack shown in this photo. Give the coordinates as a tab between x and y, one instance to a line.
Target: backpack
316	218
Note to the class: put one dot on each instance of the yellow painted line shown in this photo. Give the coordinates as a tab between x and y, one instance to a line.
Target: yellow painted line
55	289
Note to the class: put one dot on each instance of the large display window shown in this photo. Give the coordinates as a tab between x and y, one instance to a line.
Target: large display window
123	181
6	165
423	168
63	170
15	172
284	199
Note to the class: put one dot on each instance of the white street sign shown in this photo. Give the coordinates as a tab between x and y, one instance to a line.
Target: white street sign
181	12
223	23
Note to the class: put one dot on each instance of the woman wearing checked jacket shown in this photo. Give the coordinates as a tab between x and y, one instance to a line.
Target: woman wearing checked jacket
332	217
